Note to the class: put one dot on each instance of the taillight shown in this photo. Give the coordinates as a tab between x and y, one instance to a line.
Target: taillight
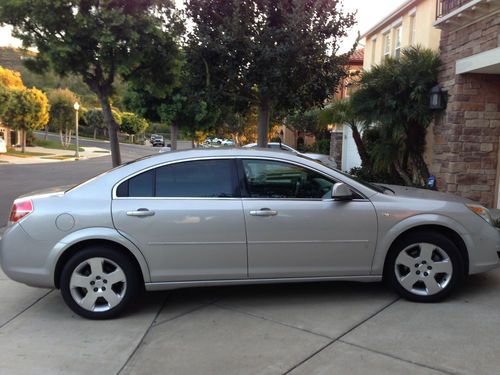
20	209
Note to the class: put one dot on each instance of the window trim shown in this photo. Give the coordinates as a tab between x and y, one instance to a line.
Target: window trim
238	160
234	181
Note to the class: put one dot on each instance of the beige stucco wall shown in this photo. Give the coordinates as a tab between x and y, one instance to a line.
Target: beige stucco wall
425	34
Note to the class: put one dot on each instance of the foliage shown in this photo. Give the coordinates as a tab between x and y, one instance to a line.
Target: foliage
62	113
307	122
94	122
10	78
133	124
99	40
27	109
278	55
395	97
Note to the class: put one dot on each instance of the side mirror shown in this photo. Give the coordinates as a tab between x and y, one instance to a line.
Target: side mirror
341	192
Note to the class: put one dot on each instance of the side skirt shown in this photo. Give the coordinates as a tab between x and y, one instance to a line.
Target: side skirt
168	285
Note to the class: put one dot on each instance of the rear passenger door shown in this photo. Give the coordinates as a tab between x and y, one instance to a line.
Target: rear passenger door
187	219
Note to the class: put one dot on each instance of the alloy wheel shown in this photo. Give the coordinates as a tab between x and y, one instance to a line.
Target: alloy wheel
423	269
98	284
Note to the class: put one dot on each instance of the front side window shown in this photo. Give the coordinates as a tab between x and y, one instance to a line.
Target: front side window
196	179
273	179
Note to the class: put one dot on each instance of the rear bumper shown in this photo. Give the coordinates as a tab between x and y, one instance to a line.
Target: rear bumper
24	259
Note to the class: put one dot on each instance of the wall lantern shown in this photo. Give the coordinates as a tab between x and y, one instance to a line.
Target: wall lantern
436	98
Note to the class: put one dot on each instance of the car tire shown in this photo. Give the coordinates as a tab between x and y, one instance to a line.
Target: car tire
424	267
100	282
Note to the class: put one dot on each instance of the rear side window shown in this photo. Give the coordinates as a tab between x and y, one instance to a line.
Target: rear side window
197	179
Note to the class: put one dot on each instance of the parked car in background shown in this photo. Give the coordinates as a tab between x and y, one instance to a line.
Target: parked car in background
233	216
3	146
227	142
157	140
325	159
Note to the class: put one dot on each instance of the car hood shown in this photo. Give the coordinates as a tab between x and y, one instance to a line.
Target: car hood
56	190
416	193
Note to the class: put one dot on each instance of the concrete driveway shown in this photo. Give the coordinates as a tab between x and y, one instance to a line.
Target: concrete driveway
327	328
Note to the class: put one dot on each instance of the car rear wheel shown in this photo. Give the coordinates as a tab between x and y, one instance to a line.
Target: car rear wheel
425	267
99	282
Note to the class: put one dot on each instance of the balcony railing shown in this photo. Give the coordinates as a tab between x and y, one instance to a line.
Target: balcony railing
445	7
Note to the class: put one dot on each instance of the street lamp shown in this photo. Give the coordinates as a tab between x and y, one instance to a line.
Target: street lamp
76	106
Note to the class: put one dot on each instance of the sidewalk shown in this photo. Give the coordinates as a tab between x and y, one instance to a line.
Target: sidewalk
52	155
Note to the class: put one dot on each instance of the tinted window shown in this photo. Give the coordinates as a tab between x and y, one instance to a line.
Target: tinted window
141	185
204	178
270	179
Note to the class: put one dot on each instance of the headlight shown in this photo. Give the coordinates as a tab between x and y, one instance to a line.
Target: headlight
481	211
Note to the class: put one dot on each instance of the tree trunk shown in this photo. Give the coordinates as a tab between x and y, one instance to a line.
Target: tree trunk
95	132
403	174
23	140
366	162
421	167
173	136
263	129
61	137
113	131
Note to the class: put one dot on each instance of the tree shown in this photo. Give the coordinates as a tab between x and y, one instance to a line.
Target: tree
395	96
133	124
95	120
27	109
98	40
62	113
10	78
275	54
342	112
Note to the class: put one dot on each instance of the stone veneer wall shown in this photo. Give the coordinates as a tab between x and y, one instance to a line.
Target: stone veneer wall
466	139
336	141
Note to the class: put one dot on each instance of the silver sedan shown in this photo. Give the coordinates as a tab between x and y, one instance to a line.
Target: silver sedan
239	216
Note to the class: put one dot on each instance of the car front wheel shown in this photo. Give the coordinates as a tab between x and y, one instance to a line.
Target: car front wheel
99	282
425	267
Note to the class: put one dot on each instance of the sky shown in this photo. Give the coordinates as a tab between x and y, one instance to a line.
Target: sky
369	13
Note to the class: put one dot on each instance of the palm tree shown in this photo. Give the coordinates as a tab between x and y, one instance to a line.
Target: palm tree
342	112
395	96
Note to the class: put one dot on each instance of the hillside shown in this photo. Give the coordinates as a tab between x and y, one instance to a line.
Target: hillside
12	58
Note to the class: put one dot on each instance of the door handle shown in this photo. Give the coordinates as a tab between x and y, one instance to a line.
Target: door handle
264	212
141	212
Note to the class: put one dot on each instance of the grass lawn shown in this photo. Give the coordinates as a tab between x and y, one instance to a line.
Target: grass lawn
102	152
19	154
58	157
55	145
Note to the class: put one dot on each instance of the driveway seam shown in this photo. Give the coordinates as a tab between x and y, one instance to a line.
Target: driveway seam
27	308
340	336
203	305
395	357
225	307
143	337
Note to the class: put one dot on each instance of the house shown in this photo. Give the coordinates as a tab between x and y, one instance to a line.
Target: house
412	24
5	134
465	156
342	146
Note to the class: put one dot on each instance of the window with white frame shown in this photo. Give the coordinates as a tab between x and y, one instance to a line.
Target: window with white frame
397	41
387	44
413	29
374	47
